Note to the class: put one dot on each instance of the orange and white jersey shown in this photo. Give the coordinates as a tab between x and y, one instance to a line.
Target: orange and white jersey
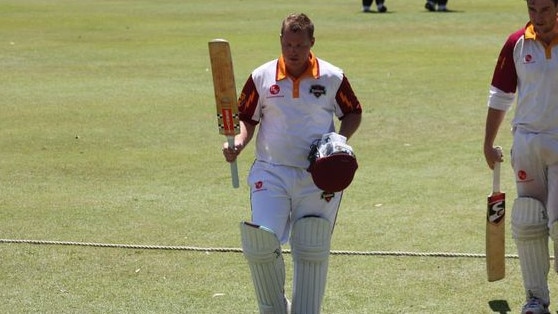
530	67
292	113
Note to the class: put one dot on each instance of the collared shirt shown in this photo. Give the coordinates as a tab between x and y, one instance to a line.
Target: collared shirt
292	113
529	68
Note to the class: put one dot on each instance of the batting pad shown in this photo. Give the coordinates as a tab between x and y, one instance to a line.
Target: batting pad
530	232
310	243
262	250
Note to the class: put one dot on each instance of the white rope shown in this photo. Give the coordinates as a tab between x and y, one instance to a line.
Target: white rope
238	250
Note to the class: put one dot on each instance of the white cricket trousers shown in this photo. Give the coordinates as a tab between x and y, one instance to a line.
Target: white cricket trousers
280	195
534	159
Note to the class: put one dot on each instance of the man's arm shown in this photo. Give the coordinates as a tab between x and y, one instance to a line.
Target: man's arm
240	141
349	124
494	118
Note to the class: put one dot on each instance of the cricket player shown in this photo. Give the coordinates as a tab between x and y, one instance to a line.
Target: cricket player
430	5
367	4
293	101
527	68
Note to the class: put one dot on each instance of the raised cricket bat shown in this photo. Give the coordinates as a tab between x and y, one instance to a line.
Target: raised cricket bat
495	230
225	95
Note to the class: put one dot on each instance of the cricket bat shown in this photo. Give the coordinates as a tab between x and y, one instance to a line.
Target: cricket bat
495	229
225	95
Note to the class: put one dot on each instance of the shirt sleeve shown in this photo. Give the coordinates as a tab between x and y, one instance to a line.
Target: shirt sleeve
346	98
504	80
248	103
500	100
505	74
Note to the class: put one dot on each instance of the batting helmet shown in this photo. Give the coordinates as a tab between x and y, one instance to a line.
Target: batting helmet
332	163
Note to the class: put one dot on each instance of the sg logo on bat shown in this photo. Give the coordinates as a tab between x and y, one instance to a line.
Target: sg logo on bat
496	208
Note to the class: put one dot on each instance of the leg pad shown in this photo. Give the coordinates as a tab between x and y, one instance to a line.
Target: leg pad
529	219
530	232
310	243
262	250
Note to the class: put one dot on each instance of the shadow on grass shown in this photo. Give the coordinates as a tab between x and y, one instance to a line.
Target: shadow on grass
499	306
446	11
376	12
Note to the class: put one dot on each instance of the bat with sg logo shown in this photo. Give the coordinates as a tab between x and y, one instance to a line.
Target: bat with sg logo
495	229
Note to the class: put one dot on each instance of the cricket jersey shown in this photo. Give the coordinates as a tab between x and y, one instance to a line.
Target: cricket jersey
292	113
529	67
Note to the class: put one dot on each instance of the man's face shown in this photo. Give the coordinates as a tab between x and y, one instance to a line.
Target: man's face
295	47
542	14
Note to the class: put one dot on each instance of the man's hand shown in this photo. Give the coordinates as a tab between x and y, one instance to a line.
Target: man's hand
493	155
231	153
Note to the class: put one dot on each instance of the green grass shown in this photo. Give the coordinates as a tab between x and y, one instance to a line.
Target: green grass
108	135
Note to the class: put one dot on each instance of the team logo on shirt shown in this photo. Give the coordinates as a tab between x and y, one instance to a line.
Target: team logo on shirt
317	90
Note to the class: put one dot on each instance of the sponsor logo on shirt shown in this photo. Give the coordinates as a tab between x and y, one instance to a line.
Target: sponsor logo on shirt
528	59
258	187
523	177
274	91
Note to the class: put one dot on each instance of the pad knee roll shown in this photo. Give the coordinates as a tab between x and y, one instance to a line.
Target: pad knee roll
259	244
529	219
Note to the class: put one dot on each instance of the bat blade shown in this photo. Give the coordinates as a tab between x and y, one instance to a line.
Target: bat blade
495	230
225	95
224	87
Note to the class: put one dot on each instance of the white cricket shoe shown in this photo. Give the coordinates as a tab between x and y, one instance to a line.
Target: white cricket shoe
535	306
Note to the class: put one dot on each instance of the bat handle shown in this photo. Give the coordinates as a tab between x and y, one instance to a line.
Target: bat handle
234	168
496	173
496	177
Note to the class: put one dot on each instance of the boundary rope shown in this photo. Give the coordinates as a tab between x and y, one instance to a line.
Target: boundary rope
238	250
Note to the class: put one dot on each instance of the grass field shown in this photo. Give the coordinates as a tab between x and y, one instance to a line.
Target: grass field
108	135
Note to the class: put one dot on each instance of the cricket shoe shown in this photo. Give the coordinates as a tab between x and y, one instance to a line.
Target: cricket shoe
430	6
535	306
382	9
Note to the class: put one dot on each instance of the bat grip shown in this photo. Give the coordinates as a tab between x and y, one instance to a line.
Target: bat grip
496	177
496	173
234	168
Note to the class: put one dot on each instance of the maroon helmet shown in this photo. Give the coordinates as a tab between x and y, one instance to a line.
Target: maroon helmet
332	163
